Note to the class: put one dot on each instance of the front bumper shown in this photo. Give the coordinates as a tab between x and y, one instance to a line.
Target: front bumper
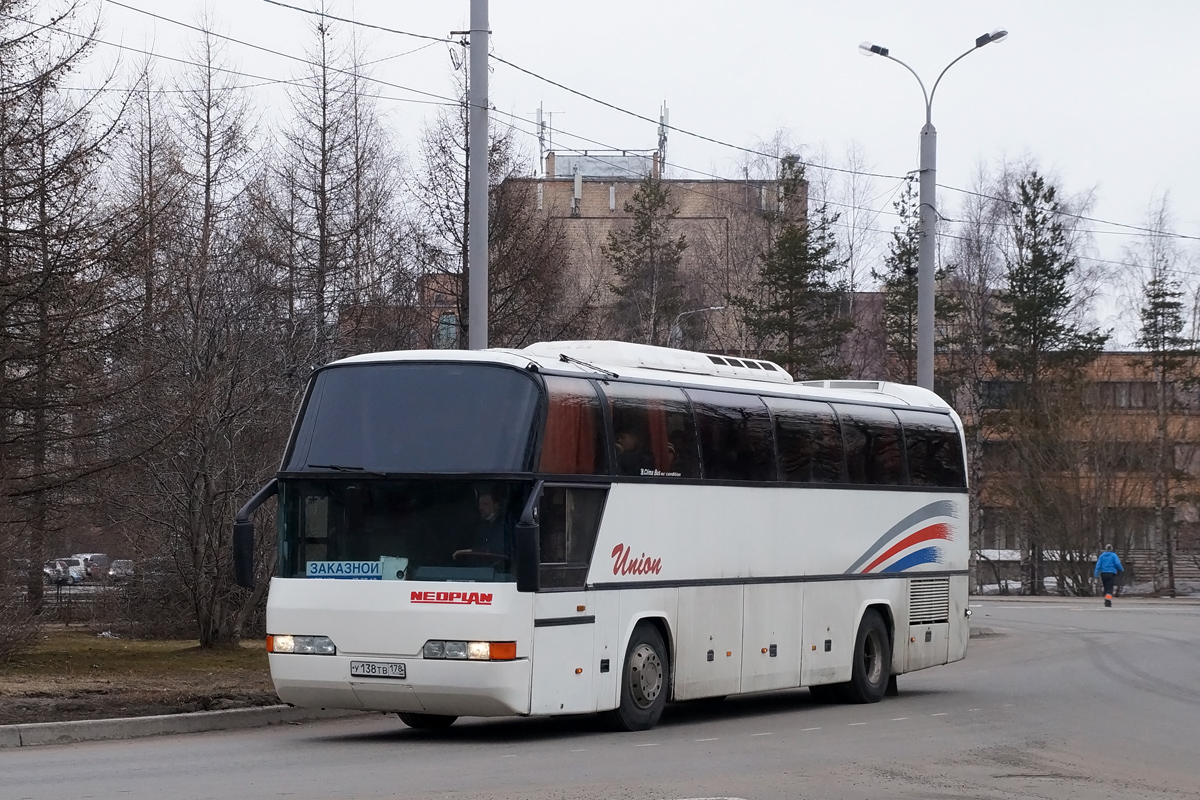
431	686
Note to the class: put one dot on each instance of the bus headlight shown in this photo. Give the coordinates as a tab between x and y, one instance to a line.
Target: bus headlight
301	645
471	651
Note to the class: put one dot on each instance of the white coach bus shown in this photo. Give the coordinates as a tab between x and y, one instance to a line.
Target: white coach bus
604	527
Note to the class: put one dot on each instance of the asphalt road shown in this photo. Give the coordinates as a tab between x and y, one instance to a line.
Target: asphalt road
1066	700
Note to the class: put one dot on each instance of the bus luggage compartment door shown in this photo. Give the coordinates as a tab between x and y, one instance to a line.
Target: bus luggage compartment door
563	663
708	650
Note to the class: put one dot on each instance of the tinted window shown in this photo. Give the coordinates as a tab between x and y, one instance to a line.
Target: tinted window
574	440
935	454
425	530
417	418
653	431
570	519
873	445
735	436
809	440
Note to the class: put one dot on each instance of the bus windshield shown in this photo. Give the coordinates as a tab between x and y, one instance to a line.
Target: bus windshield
416	418
382	529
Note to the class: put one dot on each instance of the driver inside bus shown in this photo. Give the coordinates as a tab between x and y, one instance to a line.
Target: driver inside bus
489	535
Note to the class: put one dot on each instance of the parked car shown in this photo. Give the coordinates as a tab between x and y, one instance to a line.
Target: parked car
63	571
76	569
121	569
95	564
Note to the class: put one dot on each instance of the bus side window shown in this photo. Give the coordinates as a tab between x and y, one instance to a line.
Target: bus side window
653	430
570	519
810	441
873	445
736	442
573	443
935	453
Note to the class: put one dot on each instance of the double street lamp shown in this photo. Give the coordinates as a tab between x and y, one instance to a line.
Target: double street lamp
928	195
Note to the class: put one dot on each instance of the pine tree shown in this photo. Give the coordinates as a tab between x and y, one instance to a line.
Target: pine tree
1042	348
795	308
645	258
1167	353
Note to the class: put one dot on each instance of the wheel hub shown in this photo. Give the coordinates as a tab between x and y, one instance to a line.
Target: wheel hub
645	675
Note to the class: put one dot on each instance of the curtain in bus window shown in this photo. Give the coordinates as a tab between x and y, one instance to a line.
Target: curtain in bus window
735	436
873	445
935	453
809	440
574	440
654	434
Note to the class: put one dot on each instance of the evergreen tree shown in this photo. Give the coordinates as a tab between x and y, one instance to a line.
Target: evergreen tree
1168	352
1041	347
645	258
1037	335
795	308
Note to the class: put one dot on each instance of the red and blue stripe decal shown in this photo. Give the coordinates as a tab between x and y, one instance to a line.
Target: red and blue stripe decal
903	548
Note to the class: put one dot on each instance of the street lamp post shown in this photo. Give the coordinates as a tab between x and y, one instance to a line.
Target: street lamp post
677	332
928	181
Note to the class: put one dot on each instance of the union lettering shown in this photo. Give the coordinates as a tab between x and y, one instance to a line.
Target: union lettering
642	565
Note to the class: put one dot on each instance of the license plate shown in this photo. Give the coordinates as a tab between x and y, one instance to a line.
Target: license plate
377	669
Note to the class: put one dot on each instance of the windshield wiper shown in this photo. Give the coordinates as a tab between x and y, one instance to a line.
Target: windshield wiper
566	359
347	468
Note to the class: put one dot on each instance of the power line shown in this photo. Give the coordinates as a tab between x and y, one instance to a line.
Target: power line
1084	217
684	131
359	23
287	55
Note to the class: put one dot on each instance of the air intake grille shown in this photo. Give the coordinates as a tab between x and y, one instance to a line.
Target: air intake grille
928	601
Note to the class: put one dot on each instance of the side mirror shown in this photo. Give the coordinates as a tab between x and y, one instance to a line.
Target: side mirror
527	555
243	535
243	554
528	560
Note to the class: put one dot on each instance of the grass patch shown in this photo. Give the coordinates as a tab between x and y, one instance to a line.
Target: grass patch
78	675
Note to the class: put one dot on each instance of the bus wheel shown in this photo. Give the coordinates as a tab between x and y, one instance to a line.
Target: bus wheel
425	721
645	680
872	661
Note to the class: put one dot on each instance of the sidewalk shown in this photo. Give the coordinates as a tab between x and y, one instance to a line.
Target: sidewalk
1123	600
92	730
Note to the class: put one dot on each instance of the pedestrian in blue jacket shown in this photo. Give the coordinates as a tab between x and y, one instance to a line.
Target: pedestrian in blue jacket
1107	567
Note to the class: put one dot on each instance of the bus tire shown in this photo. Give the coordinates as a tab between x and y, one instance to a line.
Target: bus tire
645	681
429	722
872	661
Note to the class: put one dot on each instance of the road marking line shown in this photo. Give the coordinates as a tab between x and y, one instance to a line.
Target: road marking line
852	724
810	729
899	719
939	714
761	734
580	750
648	744
713	739
975	709
508	756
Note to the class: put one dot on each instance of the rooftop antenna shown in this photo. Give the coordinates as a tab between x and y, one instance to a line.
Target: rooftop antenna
664	123
545	134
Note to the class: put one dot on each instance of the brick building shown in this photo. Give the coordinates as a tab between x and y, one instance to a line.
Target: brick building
724	221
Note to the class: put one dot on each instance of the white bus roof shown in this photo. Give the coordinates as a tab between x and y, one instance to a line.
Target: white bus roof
668	365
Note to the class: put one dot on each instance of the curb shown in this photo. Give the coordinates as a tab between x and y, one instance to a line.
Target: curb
91	730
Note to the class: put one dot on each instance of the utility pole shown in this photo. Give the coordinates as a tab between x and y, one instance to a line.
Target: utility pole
477	189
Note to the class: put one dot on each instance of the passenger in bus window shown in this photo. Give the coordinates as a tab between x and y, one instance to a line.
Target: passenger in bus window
632	455
489	536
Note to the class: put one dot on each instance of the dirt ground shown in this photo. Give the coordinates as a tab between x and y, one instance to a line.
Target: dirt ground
72	675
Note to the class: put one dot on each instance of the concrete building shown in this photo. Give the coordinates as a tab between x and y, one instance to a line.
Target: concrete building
725	223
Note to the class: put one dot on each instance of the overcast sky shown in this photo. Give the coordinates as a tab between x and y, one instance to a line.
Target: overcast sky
1103	93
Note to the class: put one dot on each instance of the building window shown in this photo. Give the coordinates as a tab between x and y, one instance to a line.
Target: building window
445	336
